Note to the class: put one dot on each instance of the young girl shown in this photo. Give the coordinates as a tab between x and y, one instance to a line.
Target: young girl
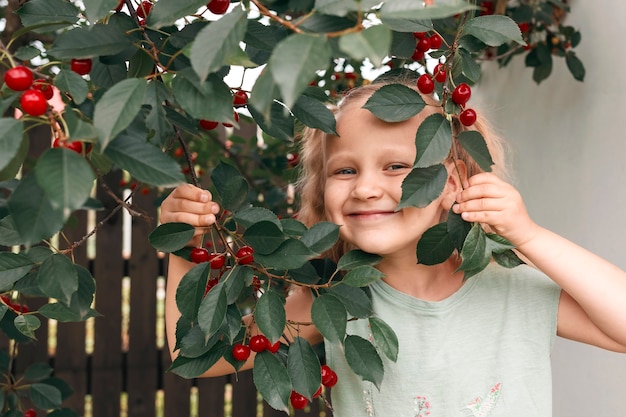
479	347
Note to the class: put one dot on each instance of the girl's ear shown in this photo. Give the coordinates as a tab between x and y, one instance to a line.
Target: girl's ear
457	181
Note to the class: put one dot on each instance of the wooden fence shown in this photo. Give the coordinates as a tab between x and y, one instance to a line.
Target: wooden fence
124	372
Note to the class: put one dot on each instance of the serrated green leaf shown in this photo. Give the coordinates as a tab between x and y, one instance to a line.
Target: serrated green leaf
432	141
470	68
494	30
315	114
169	237
295	61
290	254
321	236
78	128
167	12
89	41
194	344
8	233
63	314
97	9
279	123
251	215
475	145
27	324
407	24
272	380
192	368
58	278
475	256
13	166
235	280
72	83
11	133
191	289
357	257
343	7
354	299
330	317
212	310
435	245
45	396
231	186
457	229
384	337
263	93
372	43
409	9
38	371
13	266
363	359
216	42
395	103
264	237
422	186
306	274
293	227
303	367
507	259
362	276
117	108
57	13
270	316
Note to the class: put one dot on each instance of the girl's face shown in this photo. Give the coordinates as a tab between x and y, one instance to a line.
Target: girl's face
364	170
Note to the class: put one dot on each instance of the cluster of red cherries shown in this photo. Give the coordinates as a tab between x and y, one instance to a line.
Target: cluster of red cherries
22	308
329	379
218	7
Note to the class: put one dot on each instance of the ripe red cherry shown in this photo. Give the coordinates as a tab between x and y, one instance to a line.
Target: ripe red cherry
218	6
210	284
30	413
199	255
417	55
435	41
45	87
439	73
119	6
258	343
293	158
419	35
468	117
245	255
318	392
423	44
81	66
425	84
256	283
236	117
76	146
240	98
19	78
217	260
329	377
33	102
298	401
240	352
273	348
208	124
461	94
144	9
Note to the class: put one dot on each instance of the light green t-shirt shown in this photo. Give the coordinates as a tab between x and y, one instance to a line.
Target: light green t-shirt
483	351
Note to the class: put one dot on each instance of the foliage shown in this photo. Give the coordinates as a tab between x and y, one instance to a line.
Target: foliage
156	93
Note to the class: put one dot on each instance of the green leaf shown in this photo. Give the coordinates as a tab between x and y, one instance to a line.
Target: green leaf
45	396
27	324
356	258
263	93
59	13
279	123
14	164
264	237
315	114
97	9
63	314
362	276
475	256
235	280
170	237
471	68
409	9
354	299
307	274
343	7
38	371
295	61
475	145
321	236
191	289
13	266
78	128
212	311
435	245
117	108
65	177
303	367
217	41
507	259
194	344
575	66
494	30
498	244
251	215
10	140
372	43
33	215
422	186
231	186
293	227
395	103
291	254
58	278
457	229
144	161
167	12
8	233
408	25
385	338
74	84
89	41
194	367
363	359
272	380
270	316
432	141
330	317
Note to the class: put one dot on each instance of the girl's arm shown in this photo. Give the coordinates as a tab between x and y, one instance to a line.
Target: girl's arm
592	307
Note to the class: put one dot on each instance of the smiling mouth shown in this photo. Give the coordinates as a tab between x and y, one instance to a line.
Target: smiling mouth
371	215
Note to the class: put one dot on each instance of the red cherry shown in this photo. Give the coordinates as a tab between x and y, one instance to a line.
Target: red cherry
81	66
417	55
236	117
19	78
210	284
217	260
461	94
293	158
273	348
256	283
423	44
240	98
76	146
144	9
468	117
439	72
208	124
298	401
425	84
199	255
351	76
318	392
329	377
30	413
245	255
241	352
524	27
119	6
258	343
435	41
419	35
45	87
33	102
218	6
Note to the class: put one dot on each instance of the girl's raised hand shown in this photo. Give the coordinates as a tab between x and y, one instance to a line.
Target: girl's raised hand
488	199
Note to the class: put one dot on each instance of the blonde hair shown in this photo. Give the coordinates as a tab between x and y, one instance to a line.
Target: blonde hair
311	182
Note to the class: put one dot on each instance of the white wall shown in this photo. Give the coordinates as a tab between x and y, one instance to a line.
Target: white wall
569	159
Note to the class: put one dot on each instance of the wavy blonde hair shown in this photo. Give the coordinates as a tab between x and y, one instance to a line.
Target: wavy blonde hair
311	182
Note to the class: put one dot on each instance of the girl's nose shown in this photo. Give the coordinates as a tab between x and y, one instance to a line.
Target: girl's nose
367	187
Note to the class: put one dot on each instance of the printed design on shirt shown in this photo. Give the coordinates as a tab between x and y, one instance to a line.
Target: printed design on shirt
422	406
367	399
481	407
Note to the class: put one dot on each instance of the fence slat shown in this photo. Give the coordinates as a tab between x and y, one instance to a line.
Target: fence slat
211	398
244	395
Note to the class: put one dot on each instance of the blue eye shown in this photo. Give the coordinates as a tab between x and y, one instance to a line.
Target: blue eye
395	167
345	171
